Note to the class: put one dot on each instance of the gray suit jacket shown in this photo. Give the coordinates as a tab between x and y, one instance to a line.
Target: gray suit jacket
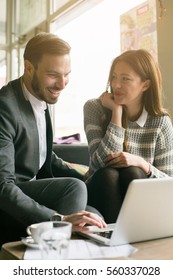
19	156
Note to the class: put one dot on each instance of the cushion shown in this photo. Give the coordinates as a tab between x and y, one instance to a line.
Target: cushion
82	169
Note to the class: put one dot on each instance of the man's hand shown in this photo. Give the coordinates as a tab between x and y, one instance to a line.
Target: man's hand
81	218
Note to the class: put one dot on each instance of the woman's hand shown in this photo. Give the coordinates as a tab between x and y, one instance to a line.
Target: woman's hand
81	218
124	159
107	100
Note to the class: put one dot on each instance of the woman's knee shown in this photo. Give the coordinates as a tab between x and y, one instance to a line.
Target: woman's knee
106	174
132	172
127	175
104	185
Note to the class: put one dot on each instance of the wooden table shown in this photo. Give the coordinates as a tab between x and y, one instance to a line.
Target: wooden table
160	249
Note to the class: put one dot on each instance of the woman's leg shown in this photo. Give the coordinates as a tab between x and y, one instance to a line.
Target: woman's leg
104	193
126	175
108	187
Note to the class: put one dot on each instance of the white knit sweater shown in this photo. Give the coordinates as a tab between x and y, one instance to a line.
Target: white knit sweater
153	141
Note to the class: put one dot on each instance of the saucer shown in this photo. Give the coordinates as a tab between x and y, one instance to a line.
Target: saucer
29	241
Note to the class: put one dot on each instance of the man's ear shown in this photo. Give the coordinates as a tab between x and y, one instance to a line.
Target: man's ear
146	85
29	68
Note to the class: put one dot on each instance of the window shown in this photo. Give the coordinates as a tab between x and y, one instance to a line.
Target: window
2	68
2	43
92	27
95	40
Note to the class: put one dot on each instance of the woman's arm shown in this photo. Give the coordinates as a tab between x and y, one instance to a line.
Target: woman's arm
101	141
157	162
163	160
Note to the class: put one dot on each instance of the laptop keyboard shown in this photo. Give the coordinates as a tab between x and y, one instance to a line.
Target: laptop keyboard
106	234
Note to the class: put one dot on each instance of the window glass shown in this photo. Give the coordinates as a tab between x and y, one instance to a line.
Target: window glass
56	4
3	21
17	62
31	13
14	64
2	68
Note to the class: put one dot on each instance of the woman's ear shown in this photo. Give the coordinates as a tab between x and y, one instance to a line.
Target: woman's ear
146	85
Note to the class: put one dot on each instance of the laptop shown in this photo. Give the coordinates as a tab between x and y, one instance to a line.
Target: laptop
146	214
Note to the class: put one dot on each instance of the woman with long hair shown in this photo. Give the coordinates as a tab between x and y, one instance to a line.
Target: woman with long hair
129	133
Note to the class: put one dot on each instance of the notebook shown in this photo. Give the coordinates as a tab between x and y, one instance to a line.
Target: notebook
146	214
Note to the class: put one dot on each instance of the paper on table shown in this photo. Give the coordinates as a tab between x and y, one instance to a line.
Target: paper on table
86	249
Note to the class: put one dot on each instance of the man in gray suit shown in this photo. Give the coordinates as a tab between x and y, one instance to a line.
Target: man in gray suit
36	185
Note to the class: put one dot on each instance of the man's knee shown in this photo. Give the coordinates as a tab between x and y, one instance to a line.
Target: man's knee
75	196
77	186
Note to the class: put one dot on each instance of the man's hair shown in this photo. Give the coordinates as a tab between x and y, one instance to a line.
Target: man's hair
45	43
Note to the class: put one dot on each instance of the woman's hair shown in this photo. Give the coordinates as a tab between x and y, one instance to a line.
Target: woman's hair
45	43
143	63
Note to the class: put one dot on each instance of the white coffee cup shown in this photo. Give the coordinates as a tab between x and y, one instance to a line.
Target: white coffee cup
35	230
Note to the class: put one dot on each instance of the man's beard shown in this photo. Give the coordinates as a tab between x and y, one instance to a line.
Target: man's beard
35	85
39	92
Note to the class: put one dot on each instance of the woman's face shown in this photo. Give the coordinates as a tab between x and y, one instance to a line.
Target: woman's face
127	86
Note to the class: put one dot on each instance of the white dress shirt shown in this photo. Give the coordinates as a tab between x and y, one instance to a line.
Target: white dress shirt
39	108
143	117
